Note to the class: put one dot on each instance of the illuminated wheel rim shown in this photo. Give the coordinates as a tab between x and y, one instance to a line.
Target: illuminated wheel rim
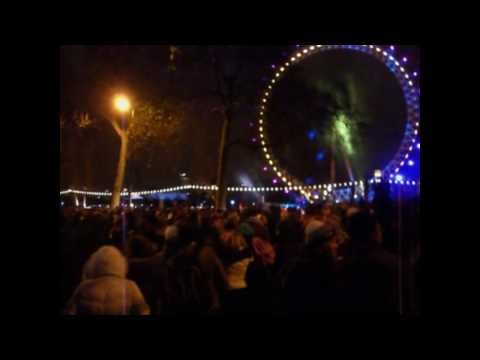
409	86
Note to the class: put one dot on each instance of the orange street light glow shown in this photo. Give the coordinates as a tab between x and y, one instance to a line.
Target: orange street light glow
122	103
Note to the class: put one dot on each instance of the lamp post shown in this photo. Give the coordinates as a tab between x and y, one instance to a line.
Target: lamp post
122	105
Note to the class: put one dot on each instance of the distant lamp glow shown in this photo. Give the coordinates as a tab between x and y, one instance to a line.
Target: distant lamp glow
418	146
320	156
121	103
312	134
378	173
399	178
232	202
411	163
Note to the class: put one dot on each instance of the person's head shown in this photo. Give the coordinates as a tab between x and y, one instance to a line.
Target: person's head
171	233
291	231
248	213
261	245
364	230
258	229
262	219
187	233
294	214
233	242
218	222
327	209
247	231
232	221
322	242
106	261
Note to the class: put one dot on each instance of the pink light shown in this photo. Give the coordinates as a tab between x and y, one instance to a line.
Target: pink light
392	48
265	168
275	181
404	59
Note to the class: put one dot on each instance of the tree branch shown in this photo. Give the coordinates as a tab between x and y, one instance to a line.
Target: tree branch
117	128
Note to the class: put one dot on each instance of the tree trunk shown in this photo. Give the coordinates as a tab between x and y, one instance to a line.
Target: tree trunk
221	198
122	163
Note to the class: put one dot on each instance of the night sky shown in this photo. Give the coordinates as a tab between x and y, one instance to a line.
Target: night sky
90	75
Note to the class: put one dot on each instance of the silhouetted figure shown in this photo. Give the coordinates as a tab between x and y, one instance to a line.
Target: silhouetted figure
312	284
369	272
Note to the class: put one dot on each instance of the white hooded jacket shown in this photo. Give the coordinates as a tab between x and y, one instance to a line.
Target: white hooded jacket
104	289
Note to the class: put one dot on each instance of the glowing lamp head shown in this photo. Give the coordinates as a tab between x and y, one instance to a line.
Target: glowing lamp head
378	173
122	104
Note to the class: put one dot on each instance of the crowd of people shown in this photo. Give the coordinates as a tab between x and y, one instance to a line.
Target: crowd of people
183	261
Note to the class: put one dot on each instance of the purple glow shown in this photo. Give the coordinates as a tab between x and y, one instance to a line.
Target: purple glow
392	48
265	168
254	140
273	66
251	124
418	146
415	74
275	181
404	59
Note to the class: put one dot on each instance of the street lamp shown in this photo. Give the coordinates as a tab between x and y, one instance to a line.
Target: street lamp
122	104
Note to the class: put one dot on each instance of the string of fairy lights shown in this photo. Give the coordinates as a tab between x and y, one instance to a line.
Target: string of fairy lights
240	189
406	80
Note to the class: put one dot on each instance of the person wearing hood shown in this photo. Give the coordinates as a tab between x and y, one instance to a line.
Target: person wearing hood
104	289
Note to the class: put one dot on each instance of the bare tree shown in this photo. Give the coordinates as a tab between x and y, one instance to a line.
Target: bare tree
148	124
